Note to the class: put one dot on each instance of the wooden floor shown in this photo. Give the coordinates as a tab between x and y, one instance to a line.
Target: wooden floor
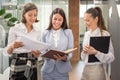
76	72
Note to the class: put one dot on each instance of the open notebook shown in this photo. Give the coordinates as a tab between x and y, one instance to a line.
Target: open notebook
51	53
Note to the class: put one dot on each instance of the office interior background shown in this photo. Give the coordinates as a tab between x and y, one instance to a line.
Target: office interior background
74	10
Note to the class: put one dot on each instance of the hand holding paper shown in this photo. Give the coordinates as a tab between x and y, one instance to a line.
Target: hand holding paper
33	44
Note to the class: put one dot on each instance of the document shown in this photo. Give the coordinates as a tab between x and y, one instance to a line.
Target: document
51	53
30	44
101	44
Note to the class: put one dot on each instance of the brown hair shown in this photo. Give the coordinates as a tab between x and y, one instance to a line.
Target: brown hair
26	8
97	12
61	12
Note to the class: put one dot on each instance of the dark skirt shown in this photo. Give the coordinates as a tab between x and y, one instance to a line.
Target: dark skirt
20	75
20	69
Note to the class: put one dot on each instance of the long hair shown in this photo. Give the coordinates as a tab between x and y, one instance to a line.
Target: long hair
97	12
61	12
26	8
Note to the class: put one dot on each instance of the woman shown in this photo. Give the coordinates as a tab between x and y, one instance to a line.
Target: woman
23	65
94	70
61	39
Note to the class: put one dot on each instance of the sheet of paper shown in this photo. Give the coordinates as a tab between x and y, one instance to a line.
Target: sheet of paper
33	44
70	50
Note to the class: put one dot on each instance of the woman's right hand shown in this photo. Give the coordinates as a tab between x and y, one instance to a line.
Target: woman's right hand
14	45
35	53
85	49
89	50
17	44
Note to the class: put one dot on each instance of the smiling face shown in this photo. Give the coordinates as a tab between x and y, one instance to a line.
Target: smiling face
57	21
90	22
30	16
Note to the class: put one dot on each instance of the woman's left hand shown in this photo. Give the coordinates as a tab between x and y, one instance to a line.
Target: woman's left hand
58	57
91	50
35	53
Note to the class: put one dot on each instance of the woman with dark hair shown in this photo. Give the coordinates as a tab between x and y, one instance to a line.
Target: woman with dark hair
61	38
23	64
95	69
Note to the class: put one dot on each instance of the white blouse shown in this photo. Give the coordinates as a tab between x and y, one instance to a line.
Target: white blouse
103	58
56	35
16	33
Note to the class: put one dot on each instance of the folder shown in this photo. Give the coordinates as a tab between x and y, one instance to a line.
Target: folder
101	44
51	53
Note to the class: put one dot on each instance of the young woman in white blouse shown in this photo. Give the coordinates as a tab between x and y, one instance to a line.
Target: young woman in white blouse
23	65
95	23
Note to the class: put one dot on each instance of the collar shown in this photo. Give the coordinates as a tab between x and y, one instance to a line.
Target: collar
56	31
24	27
96	32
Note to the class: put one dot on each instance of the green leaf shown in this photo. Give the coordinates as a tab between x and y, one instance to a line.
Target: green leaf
9	23
2	11
13	19
7	15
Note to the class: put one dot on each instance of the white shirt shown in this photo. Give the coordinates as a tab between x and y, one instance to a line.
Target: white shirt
56	35
103	58
16	33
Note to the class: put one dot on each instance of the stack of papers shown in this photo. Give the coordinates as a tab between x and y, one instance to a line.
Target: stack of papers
33	44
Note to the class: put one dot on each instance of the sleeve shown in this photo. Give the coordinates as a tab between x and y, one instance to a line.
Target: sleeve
43	34
11	39
70	37
11	35
109	57
83	55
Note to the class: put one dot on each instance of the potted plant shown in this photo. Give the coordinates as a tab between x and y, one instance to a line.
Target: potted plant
7	20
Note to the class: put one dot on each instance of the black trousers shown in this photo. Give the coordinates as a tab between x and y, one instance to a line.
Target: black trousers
20	75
